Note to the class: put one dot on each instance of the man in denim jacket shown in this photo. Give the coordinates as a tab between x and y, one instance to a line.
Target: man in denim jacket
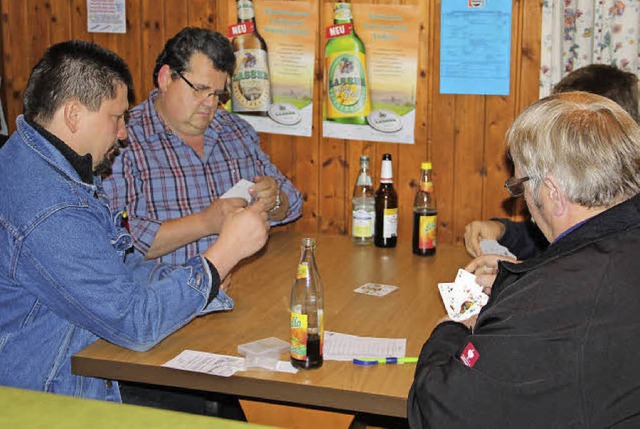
65	278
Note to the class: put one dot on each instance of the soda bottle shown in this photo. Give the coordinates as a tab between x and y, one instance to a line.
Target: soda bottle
348	99
307	324
363	207
250	83
425	215
386	229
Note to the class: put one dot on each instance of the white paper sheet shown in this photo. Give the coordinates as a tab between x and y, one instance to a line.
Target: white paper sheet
211	363
346	347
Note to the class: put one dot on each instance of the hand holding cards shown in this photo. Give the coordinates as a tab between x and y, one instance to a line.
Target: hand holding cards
463	298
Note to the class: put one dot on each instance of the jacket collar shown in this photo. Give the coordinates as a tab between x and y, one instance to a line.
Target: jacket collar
77	168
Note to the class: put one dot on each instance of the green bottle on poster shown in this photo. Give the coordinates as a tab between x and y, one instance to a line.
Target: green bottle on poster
347	99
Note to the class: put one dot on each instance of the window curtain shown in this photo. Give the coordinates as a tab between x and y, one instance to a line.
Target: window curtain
576	33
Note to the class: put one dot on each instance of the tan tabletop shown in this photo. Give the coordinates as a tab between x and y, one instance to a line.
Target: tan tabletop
261	289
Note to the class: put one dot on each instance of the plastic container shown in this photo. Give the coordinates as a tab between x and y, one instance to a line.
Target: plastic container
263	353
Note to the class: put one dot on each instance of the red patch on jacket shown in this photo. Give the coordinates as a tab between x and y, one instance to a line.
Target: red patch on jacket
469	355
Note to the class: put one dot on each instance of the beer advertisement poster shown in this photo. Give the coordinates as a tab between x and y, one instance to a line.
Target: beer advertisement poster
370	71
272	86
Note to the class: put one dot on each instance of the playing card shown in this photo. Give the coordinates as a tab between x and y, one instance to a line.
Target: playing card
375	289
492	247
463	298
240	190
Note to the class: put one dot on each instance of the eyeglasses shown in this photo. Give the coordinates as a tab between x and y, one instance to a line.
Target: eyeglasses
515	186
222	95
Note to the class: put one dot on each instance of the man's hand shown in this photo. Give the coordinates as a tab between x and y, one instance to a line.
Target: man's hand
219	210
265	190
479	230
243	233
485	267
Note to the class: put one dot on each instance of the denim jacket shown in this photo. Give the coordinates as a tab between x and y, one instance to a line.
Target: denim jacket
64	278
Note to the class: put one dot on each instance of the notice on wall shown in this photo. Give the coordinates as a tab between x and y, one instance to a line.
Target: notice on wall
475	47
371	67
106	16
272	86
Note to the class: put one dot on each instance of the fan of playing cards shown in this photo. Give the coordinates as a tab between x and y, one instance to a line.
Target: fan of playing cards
463	298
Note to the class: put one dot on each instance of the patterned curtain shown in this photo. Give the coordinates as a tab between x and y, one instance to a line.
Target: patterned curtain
576	33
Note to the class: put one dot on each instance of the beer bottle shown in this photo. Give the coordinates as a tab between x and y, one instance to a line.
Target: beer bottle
363	206
348	99
425	215
307	324
250	83
386	232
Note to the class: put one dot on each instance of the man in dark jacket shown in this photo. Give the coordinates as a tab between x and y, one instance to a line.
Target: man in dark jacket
557	343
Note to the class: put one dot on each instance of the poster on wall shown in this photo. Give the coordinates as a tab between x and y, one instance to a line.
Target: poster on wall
475	47
272	86
106	16
371	66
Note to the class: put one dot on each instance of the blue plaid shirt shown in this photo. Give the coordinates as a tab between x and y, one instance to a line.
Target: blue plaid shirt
158	177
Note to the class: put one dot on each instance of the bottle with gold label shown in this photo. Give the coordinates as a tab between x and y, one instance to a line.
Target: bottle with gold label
250	83
347	98
425	215
307	316
386	229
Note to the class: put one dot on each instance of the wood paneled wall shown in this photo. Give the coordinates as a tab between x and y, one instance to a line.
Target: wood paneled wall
461	134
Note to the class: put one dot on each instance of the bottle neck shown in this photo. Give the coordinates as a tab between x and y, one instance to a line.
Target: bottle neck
364	179
425	181
342	13
386	172
245	11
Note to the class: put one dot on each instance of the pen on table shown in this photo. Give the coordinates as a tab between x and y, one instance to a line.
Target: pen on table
376	361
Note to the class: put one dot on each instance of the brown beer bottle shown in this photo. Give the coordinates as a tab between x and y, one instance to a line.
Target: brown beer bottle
307	315
386	230
251	82
425	215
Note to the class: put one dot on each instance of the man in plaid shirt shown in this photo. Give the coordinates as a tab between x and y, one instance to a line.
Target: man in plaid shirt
184	152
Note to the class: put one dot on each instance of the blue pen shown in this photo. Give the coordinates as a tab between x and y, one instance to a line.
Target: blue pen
376	361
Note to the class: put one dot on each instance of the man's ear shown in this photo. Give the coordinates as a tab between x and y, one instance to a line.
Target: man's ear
164	77
73	112
556	198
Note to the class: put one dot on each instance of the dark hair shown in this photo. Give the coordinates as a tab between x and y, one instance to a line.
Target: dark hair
73	70
608	81
180	48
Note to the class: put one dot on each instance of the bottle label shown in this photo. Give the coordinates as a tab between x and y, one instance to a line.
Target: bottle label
298	336
363	223
338	30
390	223
250	87
303	271
427	187
347	85
245	9
240	29
427	234
342	11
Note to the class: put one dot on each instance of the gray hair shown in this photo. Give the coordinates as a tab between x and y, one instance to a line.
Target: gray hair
587	142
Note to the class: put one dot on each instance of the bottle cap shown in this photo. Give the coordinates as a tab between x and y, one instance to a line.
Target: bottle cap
425	165
364	158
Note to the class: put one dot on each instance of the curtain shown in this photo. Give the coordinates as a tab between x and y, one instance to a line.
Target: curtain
576	33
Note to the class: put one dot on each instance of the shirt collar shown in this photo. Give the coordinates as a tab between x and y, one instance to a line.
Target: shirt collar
83	165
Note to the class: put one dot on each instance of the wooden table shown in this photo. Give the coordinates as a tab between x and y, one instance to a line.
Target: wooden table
261	289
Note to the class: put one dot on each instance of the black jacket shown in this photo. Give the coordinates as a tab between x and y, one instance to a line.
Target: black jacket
558	342
523	239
